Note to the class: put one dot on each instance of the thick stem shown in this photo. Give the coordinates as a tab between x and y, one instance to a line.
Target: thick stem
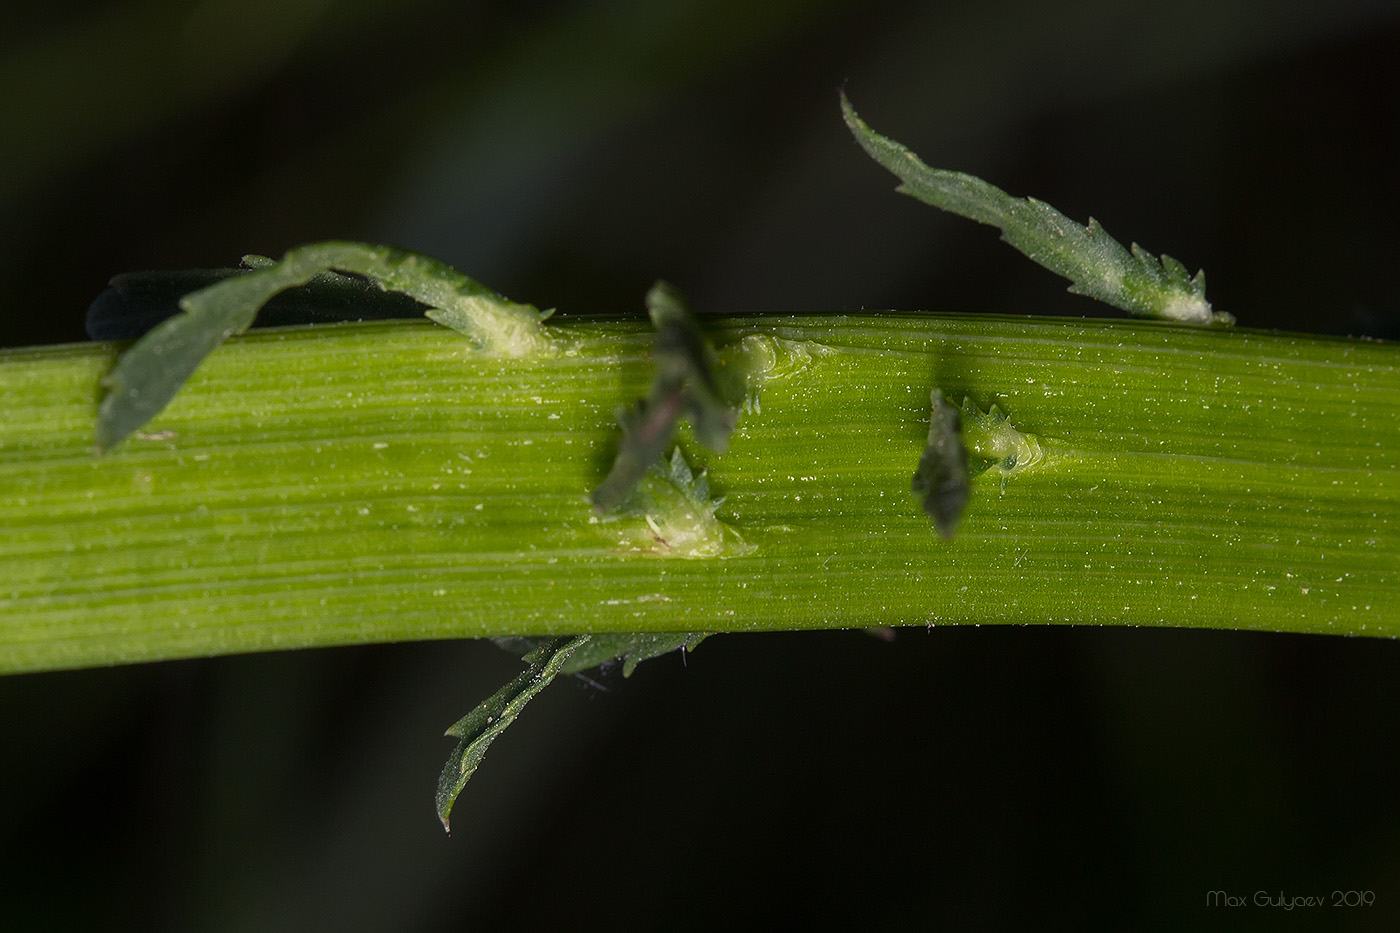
382	482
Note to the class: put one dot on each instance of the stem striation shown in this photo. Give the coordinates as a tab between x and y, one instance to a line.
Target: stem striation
383	481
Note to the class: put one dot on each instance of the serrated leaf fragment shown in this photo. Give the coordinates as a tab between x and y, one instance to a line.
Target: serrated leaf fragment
134	302
631	649
484	724
152	370
1096	264
546	659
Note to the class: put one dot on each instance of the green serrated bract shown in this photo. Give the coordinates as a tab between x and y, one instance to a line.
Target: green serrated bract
1095	263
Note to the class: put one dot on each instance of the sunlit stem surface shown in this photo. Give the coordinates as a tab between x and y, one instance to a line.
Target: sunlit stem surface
380	482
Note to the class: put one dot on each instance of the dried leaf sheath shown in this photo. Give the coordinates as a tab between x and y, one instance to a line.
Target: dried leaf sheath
685	382
942	483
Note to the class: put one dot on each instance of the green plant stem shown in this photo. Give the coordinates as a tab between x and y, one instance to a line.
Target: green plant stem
381	482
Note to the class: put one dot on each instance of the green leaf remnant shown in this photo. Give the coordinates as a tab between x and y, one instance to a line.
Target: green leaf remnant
149	374
685	381
993	442
1096	264
672	514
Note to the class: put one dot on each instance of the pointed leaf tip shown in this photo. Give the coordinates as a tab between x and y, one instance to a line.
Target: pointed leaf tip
484	724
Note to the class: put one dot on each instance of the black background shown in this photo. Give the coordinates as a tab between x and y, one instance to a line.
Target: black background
569	154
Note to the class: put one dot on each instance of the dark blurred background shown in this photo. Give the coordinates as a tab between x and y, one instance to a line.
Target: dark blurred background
568	154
